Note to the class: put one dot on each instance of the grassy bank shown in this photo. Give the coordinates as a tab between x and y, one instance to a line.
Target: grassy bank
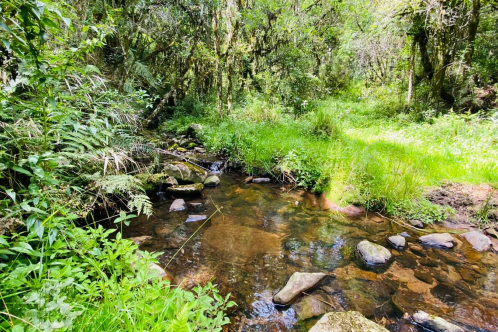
356	150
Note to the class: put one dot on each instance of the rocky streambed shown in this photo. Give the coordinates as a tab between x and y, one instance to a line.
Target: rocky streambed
264	233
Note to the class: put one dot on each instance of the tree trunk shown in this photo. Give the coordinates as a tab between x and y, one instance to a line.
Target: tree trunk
232	27
411	72
472	31
218	69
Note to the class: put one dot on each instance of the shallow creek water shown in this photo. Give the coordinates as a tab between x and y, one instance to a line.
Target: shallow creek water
263	236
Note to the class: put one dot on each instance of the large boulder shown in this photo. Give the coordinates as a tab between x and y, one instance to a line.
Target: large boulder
186	189
298	282
346	321
478	240
185	172
372	253
434	323
442	240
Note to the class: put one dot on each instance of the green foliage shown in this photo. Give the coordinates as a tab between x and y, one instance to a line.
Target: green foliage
68	145
371	158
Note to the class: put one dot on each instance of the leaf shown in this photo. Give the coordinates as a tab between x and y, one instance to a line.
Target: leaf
38	171
21	170
31	221
18	328
33	159
39	229
52	236
11	193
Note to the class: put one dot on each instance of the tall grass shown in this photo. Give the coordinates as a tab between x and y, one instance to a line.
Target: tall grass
359	150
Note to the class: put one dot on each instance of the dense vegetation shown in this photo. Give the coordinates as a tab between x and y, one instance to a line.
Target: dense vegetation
370	101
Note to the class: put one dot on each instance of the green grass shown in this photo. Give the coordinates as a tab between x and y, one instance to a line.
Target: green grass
357	149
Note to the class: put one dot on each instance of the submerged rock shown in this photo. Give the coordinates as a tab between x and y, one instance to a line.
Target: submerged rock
435	323
416	223
298	282
248	179
188	189
185	172
443	240
177	205
261	180
139	240
346	321
478	240
196	217
196	207
316	305
372	253
397	241
212	181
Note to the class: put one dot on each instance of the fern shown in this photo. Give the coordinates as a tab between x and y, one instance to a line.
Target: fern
180	323
143	71
141	204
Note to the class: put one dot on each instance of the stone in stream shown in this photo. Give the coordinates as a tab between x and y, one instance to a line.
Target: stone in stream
170	181
491	232
187	189
434	323
346	321
185	172
212	181
479	241
372	253
155	271
416	223
196	206
177	205
261	180
196	217
139	240
298	282
397	241
248	179
443	240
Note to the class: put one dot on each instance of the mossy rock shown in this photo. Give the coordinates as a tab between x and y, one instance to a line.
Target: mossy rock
185	172
187	189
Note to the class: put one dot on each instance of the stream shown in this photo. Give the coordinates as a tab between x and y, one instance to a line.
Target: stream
265	233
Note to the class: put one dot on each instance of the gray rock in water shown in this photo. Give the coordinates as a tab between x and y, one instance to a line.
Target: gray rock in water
212	181
185	172
346	321
478	240
177	205
372	253
298	282
397	241
443	240
196	217
261	180
435	323
188	189
196	207
416	223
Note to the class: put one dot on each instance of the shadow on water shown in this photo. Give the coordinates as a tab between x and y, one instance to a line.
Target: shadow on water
265	234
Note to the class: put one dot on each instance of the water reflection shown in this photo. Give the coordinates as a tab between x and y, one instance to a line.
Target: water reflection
263	236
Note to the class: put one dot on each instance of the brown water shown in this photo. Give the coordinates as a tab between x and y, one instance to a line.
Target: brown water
263	236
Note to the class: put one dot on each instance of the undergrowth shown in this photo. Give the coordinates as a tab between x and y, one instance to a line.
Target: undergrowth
358	151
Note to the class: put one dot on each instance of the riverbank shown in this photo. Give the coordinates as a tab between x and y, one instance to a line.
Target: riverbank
357	152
